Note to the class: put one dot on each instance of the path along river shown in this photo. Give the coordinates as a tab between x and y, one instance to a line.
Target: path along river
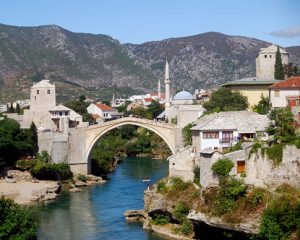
97	211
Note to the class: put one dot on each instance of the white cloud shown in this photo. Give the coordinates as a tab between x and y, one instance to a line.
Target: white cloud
290	32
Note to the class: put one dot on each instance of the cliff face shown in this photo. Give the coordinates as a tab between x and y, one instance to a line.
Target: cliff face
88	61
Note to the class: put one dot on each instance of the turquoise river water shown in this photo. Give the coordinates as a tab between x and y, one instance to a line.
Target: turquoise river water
97	211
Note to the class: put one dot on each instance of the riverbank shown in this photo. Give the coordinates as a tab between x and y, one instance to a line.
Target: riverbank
26	192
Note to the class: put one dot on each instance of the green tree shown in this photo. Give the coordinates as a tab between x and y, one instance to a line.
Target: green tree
263	106
11	108
155	109
226	100
222	167
187	134
82	98
16	222
140	112
18	109
278	74
282	126
33	138
290	70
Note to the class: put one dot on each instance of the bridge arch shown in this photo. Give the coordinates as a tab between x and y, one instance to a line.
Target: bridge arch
80	150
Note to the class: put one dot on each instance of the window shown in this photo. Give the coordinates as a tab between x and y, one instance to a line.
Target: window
276	93
266	56
37	91
60	113
240	166
48	91
227	136
210	135
270	56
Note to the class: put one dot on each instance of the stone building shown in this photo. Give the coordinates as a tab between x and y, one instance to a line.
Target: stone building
265	62
255	87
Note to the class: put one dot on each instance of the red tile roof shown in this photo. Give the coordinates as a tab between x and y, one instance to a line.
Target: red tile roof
104	107
292	82
148	99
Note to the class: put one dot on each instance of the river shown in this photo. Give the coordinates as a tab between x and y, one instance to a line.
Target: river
97	211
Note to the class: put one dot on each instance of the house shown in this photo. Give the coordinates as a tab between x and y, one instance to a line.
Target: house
287	94
118	102
65	118
254	87
221	130
104	111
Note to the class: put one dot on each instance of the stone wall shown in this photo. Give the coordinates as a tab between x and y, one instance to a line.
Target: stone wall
182	164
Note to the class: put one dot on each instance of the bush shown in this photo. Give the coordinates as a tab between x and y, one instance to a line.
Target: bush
51	171
256	197
281	218
177	184
82	177
161	219
186	228
222	167
181	211
187	134
26	164
16	222
254	148
196	172
161	187
275	153
235	147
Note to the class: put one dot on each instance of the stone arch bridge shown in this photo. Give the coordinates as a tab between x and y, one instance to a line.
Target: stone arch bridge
82	140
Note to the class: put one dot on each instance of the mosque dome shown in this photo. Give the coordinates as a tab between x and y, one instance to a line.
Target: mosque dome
183	95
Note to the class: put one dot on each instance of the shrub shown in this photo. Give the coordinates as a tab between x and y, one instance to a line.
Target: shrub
222	167
161	187
254	149
82	177
51	171
26	164
235	147
275	153
196	172
181	211
16	222
177	184
256	197
187	134
161	219
186	228
280	219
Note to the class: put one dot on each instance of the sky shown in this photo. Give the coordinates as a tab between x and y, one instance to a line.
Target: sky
138	21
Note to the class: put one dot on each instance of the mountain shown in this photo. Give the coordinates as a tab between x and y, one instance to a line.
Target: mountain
98	64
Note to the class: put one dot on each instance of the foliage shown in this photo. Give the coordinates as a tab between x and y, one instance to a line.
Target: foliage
196	172
256	197
275	153
43	156
233	148
187	134
181	211
16	222
174	120
51	171
290	70
226	100
254	148
263	106
82	98
281	218
278	74
230	191
140	112
15	142
222	167
282	126
162	187
81	108
25	164
81	177
186	228
161	219
155	109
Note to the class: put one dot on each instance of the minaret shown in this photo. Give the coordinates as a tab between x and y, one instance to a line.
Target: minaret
158	90
167	88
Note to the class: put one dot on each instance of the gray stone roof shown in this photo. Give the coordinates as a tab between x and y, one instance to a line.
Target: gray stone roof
242	121
43	83
250	81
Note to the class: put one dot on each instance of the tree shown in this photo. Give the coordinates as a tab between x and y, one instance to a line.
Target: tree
18	110
290	70
82	98
155	109
263	106
226	100
278	74
11	108
16	222
282	126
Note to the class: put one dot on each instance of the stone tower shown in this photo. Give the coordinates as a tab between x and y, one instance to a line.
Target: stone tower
42	96
265	62
167	87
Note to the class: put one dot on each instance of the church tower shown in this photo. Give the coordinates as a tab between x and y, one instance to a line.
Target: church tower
167	87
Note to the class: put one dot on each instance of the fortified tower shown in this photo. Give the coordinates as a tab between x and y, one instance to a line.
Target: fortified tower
265	62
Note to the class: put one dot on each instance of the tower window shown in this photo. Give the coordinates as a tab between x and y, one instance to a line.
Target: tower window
48	91
266	56
270	56
37	91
